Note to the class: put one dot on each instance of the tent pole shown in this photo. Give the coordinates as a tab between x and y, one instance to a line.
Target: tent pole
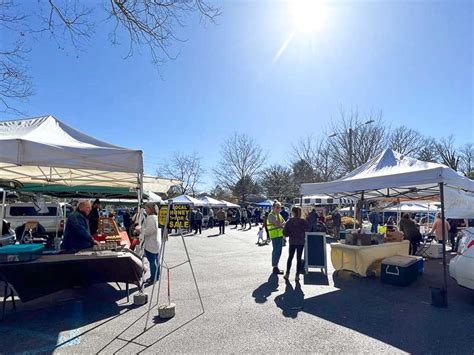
361	209
301	201
2	215
443	221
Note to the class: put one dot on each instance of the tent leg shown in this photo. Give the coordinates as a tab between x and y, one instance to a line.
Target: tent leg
445	280
301	200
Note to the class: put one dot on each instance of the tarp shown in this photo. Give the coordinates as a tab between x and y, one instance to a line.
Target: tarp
212	202
266	203
393	174
45	150
230	204
186	200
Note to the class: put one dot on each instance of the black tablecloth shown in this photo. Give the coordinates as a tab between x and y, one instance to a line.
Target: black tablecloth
52	273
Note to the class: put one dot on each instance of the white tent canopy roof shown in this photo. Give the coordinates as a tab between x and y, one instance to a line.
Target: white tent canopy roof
45	150
158	185
230	204
186	200
392	174
412	207
212	202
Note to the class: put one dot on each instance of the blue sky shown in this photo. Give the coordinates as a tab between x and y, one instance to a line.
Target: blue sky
411	60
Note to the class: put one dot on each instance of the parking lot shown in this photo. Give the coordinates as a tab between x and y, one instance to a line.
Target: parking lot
247	309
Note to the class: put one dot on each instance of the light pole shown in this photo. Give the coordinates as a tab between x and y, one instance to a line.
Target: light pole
350	133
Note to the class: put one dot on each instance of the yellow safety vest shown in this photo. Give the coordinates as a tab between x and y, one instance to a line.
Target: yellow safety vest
274	231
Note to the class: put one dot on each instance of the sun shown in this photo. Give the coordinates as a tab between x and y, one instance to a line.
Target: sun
308	16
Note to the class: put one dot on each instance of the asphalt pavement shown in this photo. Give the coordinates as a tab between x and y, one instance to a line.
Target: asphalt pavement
246	310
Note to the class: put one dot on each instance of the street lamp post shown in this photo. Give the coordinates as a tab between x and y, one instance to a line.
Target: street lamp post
350	133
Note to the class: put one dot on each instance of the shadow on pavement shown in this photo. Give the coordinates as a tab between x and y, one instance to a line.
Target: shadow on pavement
213	235
316	278
400	316
262	292
292	301
57	324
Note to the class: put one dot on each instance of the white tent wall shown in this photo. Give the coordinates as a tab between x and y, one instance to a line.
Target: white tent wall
458	203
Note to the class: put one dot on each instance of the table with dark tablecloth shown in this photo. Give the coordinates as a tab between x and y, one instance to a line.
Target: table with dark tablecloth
52	273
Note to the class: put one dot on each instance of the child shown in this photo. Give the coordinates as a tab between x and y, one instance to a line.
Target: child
260	236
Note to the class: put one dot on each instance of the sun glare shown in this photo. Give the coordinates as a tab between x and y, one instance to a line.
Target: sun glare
308	16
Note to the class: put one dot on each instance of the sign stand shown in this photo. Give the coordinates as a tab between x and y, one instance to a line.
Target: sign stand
315	252
161	266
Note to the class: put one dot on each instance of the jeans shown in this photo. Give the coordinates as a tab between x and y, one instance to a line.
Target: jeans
299	253
277	244
197	227
210	224
374	228
221	227
153	261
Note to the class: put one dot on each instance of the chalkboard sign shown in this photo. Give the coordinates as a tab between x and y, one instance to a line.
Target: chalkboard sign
315	251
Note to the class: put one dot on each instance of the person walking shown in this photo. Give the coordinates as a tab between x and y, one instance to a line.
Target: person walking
152	242
275	224
336	224
437	228
411	232
257	217
198	222
221	216
244	218
210	223
312	220
265	226
94	217
284	213
249	217
127	222
453	232
237	218
374	218
295	229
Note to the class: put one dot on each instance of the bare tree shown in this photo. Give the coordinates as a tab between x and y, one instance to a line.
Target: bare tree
277	182
316	152
357	139
149	24
186	168
15	84
448	153
406	140
302	172
466	153
241	161
428	152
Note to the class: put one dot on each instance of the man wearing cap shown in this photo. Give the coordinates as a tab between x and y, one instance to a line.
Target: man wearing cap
275	224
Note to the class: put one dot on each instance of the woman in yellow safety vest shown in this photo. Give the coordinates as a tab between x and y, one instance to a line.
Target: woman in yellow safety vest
275	224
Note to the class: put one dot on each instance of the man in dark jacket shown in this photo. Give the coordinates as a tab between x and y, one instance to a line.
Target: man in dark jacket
77	235
312	220
336	224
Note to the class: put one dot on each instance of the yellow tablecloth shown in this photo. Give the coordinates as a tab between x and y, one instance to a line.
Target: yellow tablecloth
359	258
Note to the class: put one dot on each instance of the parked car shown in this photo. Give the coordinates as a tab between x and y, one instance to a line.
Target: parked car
461	267
51	215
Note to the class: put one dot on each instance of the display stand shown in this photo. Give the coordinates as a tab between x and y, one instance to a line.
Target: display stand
161	266
315	252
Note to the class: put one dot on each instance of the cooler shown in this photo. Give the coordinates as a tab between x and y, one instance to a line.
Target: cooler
434	251
20	252
399	270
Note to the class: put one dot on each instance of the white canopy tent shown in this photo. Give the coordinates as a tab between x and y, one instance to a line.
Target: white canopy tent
212	202
393	175
186	200
44	150
411	207
230	204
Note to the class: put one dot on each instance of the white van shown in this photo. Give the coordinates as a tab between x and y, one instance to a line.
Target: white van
50	215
